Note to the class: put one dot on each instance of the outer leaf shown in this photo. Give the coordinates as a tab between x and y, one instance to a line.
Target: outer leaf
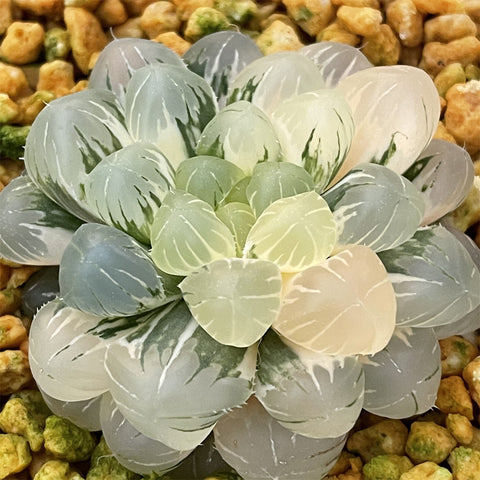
444	175
34	230
317	396
356	200
402	380
219	57
384	100
294	232
315	131
186	235
235	300
68	139
434	277
258	447
242	134
172	381
122	278
127	188
285	73
169	105
349	292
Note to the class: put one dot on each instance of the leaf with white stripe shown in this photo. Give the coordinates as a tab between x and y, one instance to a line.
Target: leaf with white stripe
68	139
127	188
186	235
169	106
34	230
294	232
355	202
324	304
235	300
122	278
435	279
313	395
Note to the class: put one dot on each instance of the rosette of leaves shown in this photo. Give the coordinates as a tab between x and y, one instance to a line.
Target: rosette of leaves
245	244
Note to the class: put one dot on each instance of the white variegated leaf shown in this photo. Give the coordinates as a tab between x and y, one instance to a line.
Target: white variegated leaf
33	230
127	188
122	278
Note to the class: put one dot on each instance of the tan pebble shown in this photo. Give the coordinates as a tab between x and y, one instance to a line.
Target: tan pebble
472	9
159	17
471	375
86	4
32	105
10	300
410	55
456	353
383	48
453	397
173	41
79	86
5	272
13	81
472	72
445	28
443	134
437	55
426	471
22	42
357	3
5	15
57	77
336	32
277	16
131	28
12	332
440	7
86	35
311	16
14	371
405	19
363	21
136	7
343	463
185	8
460	427
449	76
47	8
111	13
278	37
9	110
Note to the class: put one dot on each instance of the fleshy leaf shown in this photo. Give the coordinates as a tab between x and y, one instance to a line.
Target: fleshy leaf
315	131
172	381
122	278
349	292
219	57
396	111
242	134
127	188
235	300
402	380
274	180
34	230
293	232
318	396
435	280
355	202
444	175
208	178
285	73
169	106
186	235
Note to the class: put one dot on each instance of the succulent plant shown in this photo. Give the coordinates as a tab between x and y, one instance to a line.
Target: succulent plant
248	245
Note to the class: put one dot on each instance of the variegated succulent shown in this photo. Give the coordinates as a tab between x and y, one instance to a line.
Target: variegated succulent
248	245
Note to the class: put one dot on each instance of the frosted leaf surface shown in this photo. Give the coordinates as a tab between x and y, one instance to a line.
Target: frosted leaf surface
444	175
318	396
396	111
170	106
402	380
269	80
136	452
335	60
186	235
172	381
435	279
122	57
239	219
242	134
84	413
67	361
34	230
348	292
68	139
315	130
274	180
293	232
238	192
376	207
122	278
220	57
259	448
127	188
208	178
235	300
